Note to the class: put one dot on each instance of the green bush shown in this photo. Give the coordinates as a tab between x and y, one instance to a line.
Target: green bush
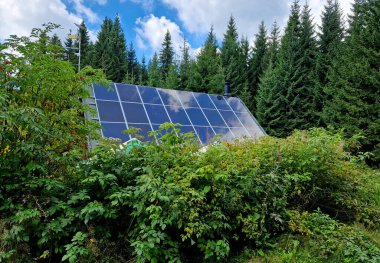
164	201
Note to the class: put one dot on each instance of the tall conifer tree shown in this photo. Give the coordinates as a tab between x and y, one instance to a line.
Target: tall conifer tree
166	55
230	57
276	89
133	67
353	93
185	68
119	52
104	55
208	72
258	62
154	72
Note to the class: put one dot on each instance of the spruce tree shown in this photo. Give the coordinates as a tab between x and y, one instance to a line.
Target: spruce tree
56	46
306	94
353	93
258	62
154	72
208	71
166	55
172	79
245	94
330	41
119	52
85	42
133	67
104	55
184	67
230	58
277	87
273	45
143	73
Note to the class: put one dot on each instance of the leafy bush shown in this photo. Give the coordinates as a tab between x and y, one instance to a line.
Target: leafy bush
164	201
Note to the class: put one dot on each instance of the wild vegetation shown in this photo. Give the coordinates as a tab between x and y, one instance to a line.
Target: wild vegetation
305	196
296	78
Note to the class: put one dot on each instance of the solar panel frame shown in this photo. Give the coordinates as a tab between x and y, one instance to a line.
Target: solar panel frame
176	100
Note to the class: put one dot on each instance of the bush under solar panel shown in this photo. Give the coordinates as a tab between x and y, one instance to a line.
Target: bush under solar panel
122	106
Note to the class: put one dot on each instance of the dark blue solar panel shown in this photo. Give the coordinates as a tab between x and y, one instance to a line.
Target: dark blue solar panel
187	99
128	93
169	97
110	111
144	130
178	115
197	117
134	112
219	102
214	118
206	135
149	95
204	100
230	118
105	93
115	130
236	104
157	114
146	107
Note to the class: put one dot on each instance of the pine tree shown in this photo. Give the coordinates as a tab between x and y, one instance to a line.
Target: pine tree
104	55
276	89
172	80
133	67
143	73
119	51
230	58
208	71
85	42
90	59
166	55
307	93
353	93
258	62
245	94
185	68
154	72
273	45
56	46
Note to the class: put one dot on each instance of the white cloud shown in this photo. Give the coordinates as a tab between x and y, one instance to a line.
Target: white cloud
197	16
19	17
151	31
83	10
146	4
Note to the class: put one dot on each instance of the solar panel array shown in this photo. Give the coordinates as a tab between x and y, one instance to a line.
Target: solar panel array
123	106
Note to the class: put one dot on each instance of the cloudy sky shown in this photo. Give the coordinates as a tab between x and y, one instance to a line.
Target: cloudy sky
146	21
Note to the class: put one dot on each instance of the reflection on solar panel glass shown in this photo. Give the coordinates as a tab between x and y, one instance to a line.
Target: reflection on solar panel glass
122	106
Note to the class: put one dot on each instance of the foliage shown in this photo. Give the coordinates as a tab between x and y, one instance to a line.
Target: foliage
43	134
166	55
353	88
316	237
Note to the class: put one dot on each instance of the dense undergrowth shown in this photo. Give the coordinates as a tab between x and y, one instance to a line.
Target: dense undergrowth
169	202
303	198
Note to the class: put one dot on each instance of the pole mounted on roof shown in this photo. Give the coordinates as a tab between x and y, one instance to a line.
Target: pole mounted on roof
227	89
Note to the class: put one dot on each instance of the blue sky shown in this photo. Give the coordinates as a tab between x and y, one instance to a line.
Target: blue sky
146	21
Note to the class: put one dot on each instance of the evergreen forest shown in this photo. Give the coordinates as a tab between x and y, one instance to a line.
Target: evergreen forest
307	192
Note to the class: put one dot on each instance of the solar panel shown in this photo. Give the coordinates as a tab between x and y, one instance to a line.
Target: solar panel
122	106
